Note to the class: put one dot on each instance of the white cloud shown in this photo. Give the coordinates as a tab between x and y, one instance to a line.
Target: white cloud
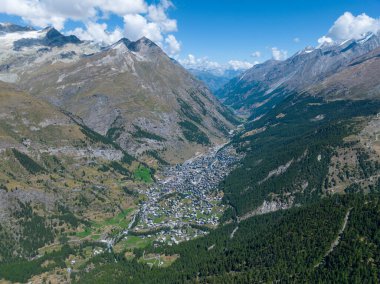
140	18
34	12
172	45
296	39
137	26
256	54
349	26
325	40
158	15
204	64
278	54
57	12
98	31
240	65
121	7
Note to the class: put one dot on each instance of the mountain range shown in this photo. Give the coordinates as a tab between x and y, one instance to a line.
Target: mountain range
215	79
131	91
120	166
259	86
82	123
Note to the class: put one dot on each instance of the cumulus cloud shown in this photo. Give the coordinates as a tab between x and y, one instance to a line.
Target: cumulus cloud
98	31
349	26
153	25
140	18
120	7
240	65
204	64
256	54
57	12
35	12
278	54
137	26
173	46
157	14
325	40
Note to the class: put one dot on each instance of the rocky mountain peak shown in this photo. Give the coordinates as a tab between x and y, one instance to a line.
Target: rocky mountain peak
55	38
144	46
123	41
49	37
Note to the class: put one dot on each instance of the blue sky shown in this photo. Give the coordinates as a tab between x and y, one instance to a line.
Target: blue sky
225	29
215	31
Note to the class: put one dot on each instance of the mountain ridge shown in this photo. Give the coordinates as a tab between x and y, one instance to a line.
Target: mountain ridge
119	80
258	85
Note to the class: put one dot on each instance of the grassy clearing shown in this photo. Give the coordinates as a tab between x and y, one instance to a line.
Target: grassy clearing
163	260
95	237
133	242
120	220
143	174
84	234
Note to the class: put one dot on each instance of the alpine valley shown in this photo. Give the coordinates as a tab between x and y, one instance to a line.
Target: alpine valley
119	166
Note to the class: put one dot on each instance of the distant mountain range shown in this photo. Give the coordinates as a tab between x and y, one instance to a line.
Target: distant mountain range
215	79
11	28
308	69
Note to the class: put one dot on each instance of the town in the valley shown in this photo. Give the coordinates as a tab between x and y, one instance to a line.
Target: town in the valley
185	202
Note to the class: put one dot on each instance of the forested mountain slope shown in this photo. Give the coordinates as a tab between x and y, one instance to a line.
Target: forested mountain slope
286	246
290	153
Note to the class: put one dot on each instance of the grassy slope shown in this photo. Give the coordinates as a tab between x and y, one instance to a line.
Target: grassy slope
77	189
